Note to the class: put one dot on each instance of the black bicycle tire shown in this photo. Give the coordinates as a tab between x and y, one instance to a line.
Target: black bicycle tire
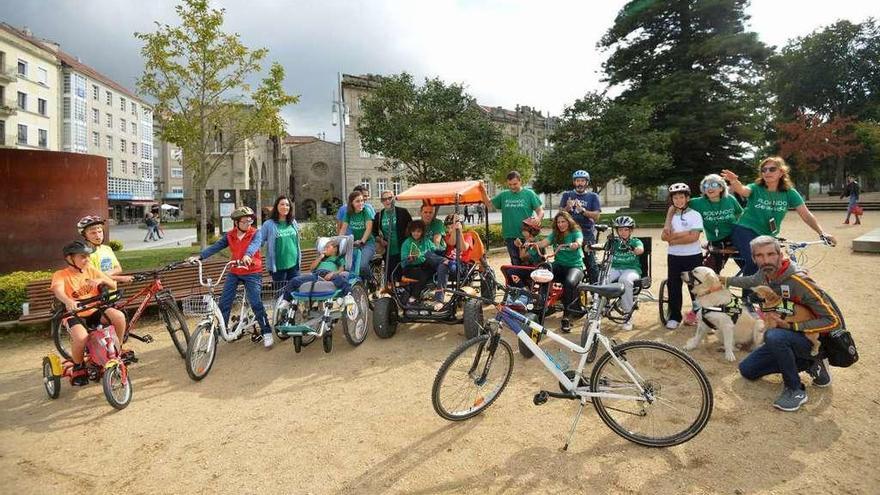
194	338
690	431
107	386
450	360
663	301
56	329
169	310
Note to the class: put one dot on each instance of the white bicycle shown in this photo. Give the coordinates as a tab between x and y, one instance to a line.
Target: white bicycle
650	393
202	347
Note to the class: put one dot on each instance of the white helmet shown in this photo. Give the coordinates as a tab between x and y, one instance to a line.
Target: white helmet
680	187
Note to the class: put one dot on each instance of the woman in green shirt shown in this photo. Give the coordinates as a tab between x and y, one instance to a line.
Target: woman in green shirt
412	258
720	212
568	265
281	235
358	218
769	198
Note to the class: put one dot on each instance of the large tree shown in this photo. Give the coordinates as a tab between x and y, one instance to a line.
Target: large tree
511	158
610	140
197	74
430	133
694	63
810	143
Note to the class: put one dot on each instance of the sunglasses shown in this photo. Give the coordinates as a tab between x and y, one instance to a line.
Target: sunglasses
387	198
712	185
764	170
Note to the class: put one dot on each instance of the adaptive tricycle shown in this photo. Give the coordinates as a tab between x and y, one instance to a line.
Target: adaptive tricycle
102	357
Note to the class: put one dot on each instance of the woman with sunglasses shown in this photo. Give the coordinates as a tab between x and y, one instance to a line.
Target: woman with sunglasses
720	212
768	200
390	226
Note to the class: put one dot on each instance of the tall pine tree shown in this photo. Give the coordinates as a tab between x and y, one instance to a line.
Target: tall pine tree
694	63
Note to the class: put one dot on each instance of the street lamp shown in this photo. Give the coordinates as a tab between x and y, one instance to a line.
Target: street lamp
341	117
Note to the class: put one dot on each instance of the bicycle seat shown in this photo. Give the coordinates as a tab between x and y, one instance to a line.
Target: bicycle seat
608	290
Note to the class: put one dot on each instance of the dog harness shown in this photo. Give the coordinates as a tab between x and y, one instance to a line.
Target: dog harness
732	309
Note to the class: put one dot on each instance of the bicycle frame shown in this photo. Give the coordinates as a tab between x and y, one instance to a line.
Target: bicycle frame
226	333
148	293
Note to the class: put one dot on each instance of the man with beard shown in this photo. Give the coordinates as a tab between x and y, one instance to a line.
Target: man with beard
584	206
786	350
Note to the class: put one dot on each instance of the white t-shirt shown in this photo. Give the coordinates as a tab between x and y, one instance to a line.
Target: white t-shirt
690	220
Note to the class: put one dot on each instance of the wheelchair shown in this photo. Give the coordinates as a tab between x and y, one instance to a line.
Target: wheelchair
318	306
641	287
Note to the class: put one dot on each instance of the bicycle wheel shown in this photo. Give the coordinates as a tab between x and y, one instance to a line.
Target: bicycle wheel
472	377
61	338
354	320
175	323
117	386
663	301
677	399
201	351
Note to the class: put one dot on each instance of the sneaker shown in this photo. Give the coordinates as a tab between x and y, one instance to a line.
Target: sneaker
566	325
672	324
79	376
790	400
348	300
690	319
256	337
268	340
819	372
628	325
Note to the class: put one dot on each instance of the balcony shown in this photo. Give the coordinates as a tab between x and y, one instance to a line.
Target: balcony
8	74
8	108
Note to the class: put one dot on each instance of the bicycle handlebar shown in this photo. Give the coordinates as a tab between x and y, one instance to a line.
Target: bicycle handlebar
208	282
107	298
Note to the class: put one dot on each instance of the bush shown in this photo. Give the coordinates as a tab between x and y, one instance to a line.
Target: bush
13	292
495	237
115	245
322	226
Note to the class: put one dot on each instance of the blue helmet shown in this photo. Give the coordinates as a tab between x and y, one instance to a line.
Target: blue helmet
580	174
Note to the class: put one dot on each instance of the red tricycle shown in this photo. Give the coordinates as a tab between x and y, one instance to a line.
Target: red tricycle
102	357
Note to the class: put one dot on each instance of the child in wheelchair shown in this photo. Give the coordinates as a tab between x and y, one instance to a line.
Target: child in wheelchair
530	254
625	265
330	267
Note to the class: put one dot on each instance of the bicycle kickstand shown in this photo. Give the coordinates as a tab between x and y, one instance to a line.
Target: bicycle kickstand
574	423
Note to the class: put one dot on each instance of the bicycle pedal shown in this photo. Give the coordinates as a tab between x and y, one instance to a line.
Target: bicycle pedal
541	398
147	338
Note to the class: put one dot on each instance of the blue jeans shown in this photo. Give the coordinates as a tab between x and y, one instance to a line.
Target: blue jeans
513	251
285	275
853	200
741	237
367	252
784	351
253	285
339	280
438	263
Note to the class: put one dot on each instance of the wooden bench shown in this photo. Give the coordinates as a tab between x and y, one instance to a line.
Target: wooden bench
181	281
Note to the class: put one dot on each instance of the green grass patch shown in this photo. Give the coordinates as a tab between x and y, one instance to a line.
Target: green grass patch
144	259
643	218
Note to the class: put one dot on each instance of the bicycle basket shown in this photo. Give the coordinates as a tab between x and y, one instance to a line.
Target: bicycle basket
198	305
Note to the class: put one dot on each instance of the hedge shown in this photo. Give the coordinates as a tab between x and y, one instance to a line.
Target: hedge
13	292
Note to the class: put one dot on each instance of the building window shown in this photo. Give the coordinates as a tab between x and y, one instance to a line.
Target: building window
41	106
109	166
96	116
2	132
366	183
176	172
124	167
122	145
43	76
177	190
134	148
109	121
66	81
65	107
395	185
95	91
22	134
79	110
22	100
43	138
22	68
123	125
109	98
122	104
110	143
381	185
134	109
96	140
364	154
79	86
134	127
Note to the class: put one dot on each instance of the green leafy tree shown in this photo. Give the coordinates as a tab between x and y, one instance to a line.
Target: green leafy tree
197	74
694	63
511	158
610	140
429	133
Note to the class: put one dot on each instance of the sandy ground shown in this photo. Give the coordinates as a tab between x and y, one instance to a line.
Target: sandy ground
359	420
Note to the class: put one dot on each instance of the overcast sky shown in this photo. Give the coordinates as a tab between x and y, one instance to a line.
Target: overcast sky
537	53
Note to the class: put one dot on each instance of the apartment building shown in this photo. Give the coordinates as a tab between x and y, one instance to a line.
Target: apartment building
29	78
168	172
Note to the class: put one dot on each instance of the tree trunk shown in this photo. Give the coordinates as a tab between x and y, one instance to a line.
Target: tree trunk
203	221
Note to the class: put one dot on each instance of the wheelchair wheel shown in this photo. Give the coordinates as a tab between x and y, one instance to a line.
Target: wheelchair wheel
385	318
282	316
327	342
297	344
523	350
473	318
663	301
354	322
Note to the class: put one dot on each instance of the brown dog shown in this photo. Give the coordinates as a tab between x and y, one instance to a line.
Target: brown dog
791	312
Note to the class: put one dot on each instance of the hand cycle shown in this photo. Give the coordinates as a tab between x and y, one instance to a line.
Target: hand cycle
650	393
202	348
102	355
155	292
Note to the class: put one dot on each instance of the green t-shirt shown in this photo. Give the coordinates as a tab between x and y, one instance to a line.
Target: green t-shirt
626	259
533	256
763	205
389	231
436	227
332	263
572	258
357	222
418	248
515	207
286	246
718	217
